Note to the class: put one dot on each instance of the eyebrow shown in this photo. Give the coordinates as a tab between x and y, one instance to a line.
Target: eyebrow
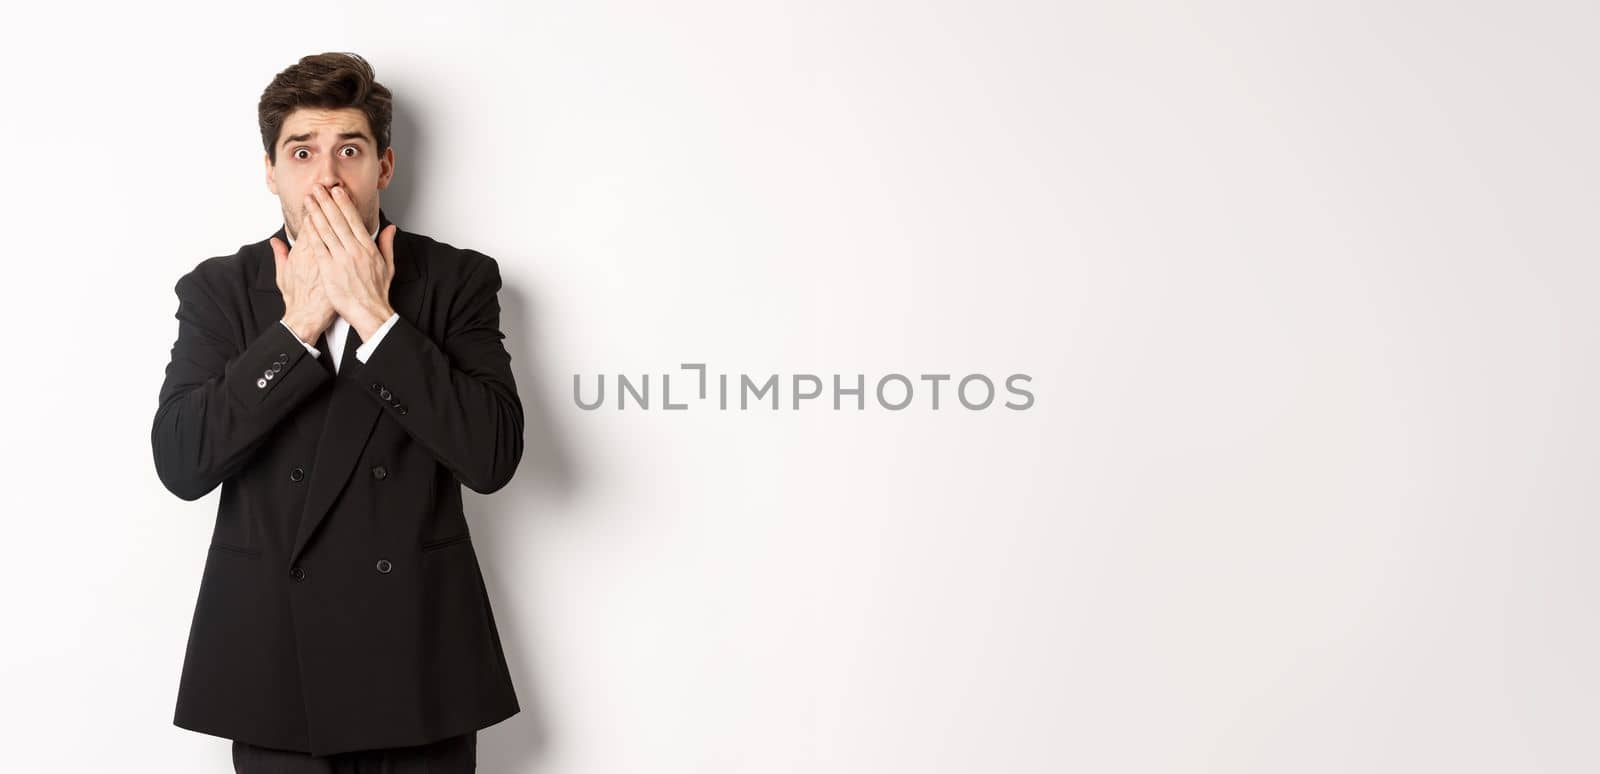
309	135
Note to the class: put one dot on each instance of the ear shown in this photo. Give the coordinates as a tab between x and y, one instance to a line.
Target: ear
386	168
272	174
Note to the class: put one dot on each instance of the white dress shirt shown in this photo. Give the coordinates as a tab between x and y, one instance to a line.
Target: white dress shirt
341	327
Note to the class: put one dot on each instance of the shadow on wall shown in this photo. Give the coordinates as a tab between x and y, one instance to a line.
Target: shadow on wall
545	473
410	144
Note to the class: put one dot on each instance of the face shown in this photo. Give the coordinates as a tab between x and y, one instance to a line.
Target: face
332	148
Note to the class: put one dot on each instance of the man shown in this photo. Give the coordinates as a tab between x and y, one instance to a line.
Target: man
341	381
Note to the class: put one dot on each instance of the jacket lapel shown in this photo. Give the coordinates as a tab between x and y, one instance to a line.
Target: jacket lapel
351	414
345	429
322	345
352	340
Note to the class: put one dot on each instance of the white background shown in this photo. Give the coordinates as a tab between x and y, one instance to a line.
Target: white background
1305	289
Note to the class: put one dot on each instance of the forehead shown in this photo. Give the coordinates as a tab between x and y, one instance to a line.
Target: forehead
324	124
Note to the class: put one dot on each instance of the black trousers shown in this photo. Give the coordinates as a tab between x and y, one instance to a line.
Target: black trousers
454	755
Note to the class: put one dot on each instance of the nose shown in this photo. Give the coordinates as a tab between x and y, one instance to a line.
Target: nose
328	173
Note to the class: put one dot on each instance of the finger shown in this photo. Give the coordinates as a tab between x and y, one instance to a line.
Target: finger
386	246
280	259
347	208
337	228
327	240
329	268
308	227
323	265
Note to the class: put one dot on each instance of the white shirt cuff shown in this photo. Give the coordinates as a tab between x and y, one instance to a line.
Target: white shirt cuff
365	350
313	350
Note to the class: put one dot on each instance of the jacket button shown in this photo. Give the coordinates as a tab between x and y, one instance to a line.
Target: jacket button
376	386
384	566
297	572
297	473
401	410
284	356
384	394
261	382
379	473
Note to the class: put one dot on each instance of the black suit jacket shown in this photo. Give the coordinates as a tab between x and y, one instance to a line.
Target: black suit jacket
341	606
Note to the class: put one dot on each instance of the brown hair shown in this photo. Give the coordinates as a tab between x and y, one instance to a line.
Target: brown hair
329	81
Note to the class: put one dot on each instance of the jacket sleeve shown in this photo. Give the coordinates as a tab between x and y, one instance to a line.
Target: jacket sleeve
219	402
456	397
